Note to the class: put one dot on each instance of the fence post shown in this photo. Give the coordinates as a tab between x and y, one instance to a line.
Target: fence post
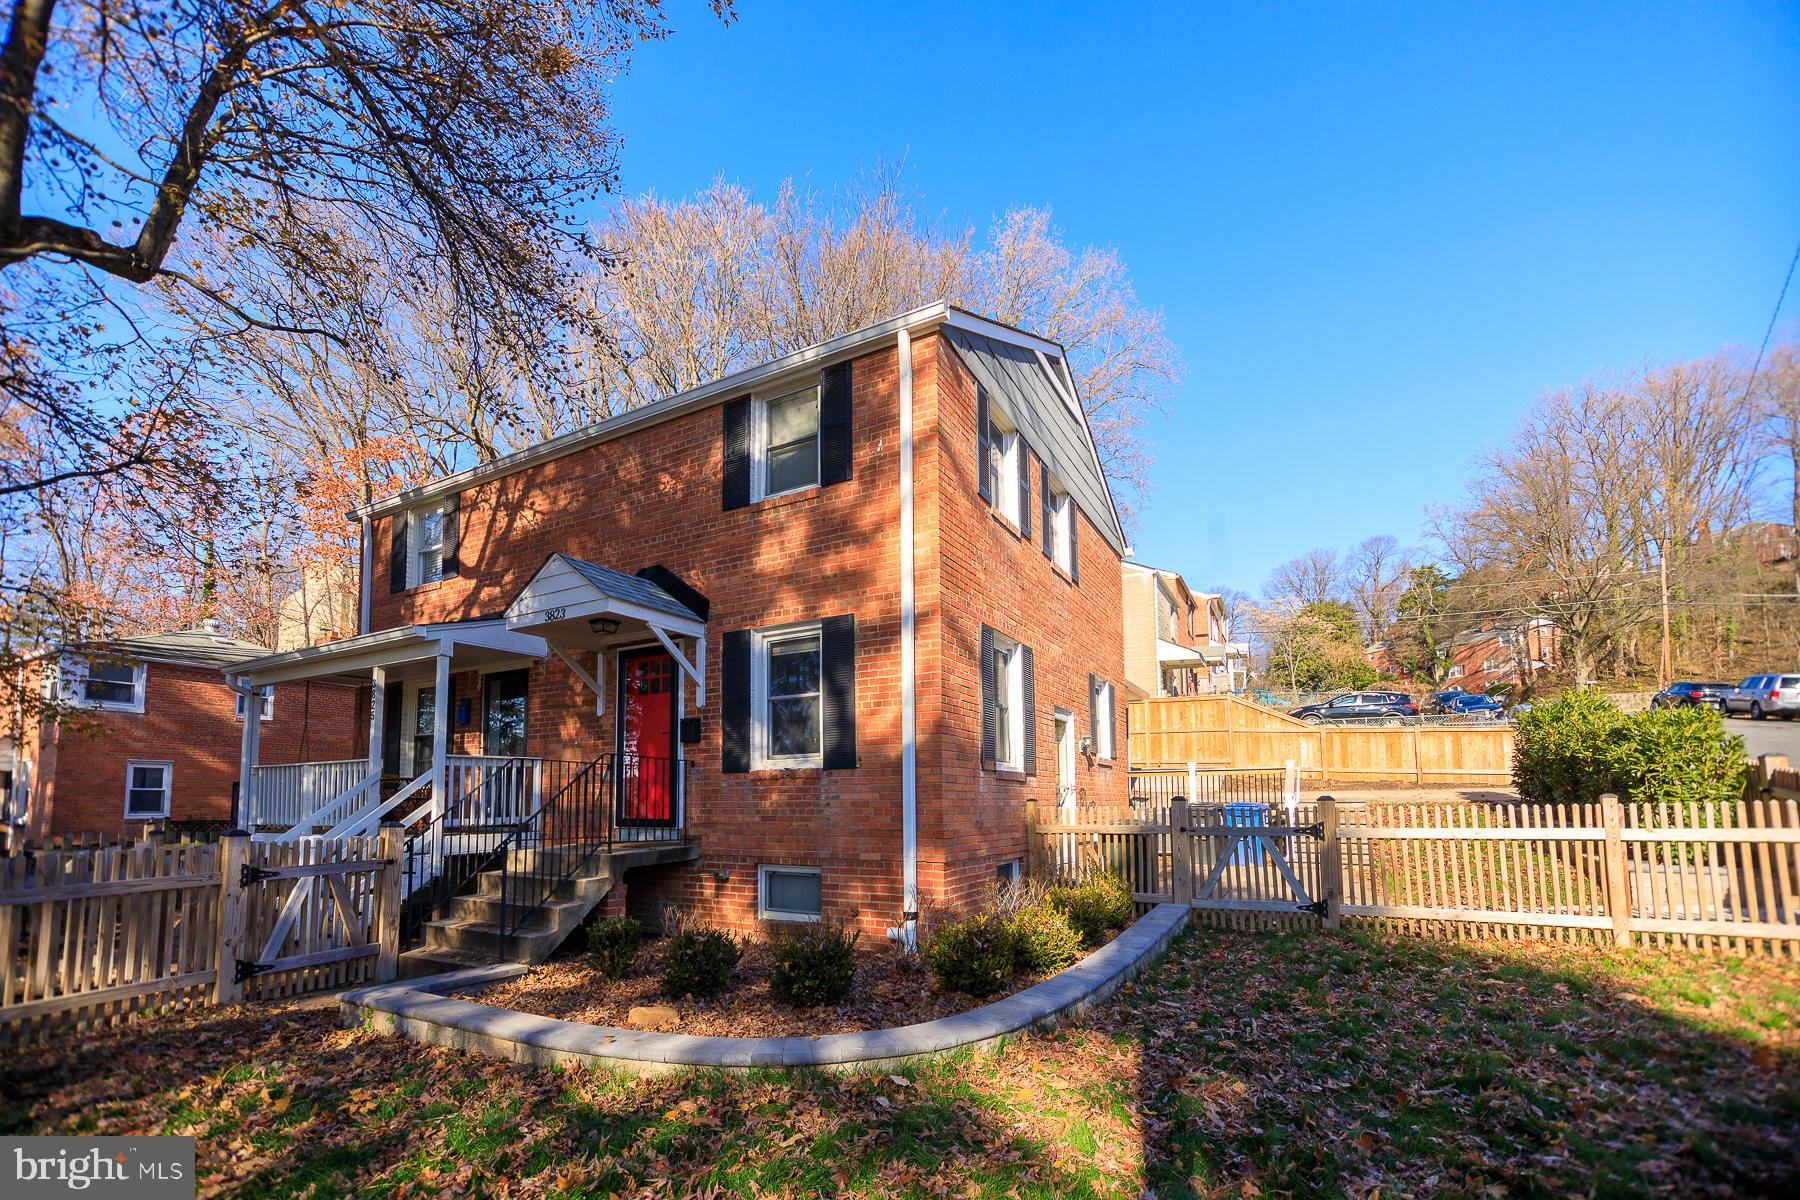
1193	792
1182	847
1618	890
1331	867
234	855
389	848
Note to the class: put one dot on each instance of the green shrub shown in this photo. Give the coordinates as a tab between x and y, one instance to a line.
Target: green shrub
1045	941
1095	906
978	955
697	961
813	964
612	942
1572	749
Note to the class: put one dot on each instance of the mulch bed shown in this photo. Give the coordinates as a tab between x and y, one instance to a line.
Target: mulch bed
891	989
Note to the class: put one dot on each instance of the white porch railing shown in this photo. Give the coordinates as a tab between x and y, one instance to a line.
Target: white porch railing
490	790
289	793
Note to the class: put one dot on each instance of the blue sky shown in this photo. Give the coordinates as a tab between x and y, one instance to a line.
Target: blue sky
1376	232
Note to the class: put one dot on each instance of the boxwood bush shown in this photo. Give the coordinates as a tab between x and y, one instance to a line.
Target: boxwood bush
813	964
978	955
698	961
1096	906
1572	749
1045	941
612	941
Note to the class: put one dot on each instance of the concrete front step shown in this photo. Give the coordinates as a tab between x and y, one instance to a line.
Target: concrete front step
486	910
582	887
526	945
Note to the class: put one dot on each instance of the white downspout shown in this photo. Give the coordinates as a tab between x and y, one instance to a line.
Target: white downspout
366	552
909	754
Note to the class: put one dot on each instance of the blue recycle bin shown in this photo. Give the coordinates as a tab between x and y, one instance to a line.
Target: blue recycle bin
1241	816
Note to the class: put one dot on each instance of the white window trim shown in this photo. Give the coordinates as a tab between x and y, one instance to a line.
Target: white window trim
73	670
168	787
1103	736
759	444
760	641
268	703
1014	685
765	913
415	543
1010	871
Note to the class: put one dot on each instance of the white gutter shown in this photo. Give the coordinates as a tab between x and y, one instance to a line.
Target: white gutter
909	751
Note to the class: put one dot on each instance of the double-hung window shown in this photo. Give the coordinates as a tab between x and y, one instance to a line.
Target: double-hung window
428	543
1005	459
1103	719
1009	705
266	702
788	698
147	789
790	443
108	684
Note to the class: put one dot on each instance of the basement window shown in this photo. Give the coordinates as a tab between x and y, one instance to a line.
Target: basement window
788	893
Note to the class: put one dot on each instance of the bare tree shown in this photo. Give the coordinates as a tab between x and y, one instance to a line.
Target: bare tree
1376	573
720	281
1313	578
1778	391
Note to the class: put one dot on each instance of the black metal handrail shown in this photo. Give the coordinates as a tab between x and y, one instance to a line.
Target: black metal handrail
633	798
443	854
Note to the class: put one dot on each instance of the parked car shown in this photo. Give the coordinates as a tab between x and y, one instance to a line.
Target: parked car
1359	706
1765	696
1435	702
1473	704
1681	695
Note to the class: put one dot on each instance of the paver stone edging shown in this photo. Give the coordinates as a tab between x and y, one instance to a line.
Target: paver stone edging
416	1009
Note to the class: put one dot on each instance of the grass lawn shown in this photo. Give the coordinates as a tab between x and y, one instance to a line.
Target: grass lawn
1244	1065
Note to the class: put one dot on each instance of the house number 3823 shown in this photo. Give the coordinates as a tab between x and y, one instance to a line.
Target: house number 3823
555	614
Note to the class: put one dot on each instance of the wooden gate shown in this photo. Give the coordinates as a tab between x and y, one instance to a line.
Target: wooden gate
1230	859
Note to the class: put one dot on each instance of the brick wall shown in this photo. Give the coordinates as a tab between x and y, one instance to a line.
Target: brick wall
654	497
78	778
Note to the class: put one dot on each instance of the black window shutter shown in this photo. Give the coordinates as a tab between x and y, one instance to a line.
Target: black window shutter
397	552
987	696
453	536
734	703
1046	515
1029	699
983	438
1074	540
1025	457
837	642
1094	709
737	453
834	424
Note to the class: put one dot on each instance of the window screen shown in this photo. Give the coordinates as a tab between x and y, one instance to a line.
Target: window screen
791	892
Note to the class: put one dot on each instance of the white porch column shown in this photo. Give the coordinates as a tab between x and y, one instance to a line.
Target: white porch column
377	715
248	754
440	752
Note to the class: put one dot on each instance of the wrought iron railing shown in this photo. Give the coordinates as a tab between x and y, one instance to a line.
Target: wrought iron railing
621	798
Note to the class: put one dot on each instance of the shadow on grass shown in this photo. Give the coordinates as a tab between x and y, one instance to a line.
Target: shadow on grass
1360	1064
1244	1064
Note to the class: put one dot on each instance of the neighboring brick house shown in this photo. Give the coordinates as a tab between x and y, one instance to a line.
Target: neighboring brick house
1177	641
1483	657
156	736
863	598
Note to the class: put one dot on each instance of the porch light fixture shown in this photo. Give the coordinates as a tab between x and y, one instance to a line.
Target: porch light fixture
604	625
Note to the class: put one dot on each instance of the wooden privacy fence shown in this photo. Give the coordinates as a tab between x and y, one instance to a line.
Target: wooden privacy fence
1721	876
1231	732
94	936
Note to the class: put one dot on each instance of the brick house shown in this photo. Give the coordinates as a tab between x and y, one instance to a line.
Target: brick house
1177	641
1483	657
156	736
834	620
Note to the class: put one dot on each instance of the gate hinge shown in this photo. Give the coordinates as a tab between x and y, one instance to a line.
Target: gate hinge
1312	831
1318	908
249	874
249	970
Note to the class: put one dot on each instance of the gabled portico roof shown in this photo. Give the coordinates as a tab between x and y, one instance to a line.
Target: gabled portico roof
567	595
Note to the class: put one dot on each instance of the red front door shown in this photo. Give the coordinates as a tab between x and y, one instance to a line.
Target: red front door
647	780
